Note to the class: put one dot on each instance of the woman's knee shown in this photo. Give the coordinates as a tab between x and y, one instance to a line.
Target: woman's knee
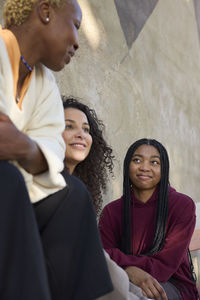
10	173
12	184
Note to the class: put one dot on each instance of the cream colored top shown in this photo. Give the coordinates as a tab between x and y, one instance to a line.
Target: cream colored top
39	114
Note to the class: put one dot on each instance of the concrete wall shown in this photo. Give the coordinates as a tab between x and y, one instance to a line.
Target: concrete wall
139	67
144	84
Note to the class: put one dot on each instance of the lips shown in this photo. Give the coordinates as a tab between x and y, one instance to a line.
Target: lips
144	176
80	146
67	59
68	56
71	53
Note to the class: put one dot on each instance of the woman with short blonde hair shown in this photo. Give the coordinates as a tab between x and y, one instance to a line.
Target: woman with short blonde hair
43	240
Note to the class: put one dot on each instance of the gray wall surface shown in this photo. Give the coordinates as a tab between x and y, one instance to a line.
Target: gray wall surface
138	66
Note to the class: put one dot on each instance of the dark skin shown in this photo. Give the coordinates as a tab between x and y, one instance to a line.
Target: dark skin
149	285
39	34
15	145
145	172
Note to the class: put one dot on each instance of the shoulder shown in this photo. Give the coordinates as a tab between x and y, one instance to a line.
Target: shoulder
46	89
78	196
42	73
76	187
180	203
76	182
180	198
3	46
111	217
113	209
4	58
114	205
45	83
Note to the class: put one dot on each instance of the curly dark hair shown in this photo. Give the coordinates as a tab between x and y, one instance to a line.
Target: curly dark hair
93	171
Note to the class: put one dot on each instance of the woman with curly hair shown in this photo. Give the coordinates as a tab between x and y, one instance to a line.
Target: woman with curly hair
87	154
90	158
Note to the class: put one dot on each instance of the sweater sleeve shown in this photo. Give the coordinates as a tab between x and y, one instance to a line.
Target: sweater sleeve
163	264
2	96
41	118
45	128
3	71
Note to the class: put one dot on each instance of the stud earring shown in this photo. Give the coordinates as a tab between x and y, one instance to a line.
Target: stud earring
47	20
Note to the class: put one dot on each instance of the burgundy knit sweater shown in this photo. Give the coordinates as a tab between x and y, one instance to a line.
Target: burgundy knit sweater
171	263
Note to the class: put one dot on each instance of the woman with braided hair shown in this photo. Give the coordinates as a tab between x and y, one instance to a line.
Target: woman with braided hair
148	230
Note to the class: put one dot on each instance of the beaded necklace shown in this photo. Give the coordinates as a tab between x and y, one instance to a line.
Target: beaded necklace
26	64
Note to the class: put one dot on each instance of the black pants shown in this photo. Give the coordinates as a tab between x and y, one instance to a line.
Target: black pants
74	256
22	268
171	291
71	245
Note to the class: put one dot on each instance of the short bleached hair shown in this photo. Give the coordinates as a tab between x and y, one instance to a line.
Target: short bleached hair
16	12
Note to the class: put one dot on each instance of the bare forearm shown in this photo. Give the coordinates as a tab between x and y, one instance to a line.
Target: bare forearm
15	145
30	157
149	285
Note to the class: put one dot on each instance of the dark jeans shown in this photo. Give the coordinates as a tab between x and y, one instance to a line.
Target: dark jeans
171	291
64	256
22	269
75	261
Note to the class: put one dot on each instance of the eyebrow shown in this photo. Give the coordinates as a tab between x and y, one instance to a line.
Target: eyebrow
153	156
72	121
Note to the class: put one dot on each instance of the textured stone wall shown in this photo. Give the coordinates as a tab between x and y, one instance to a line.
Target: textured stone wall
142	84
139	66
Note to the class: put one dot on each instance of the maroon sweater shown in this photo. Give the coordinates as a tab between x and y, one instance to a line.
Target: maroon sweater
171	263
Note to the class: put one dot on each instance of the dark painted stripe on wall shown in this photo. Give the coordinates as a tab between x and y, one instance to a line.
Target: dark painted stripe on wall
133	15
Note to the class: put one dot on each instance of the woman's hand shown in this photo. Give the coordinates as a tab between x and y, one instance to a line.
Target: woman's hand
149	285
15	145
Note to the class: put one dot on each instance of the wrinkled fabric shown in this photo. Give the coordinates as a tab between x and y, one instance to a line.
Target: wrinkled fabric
171	263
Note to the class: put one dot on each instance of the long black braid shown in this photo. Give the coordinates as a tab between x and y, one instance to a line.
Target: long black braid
162	207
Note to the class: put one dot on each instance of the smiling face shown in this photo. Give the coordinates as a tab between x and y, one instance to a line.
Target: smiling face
77	138
144	169
61	37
